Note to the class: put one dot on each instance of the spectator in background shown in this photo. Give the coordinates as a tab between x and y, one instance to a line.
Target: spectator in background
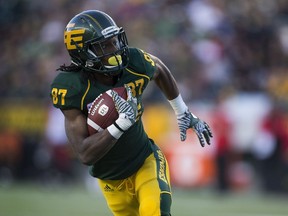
272	151
222	142
62	157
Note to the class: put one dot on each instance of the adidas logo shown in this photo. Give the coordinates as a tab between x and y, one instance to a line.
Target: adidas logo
108	188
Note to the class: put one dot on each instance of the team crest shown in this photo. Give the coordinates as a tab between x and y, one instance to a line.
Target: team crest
71	38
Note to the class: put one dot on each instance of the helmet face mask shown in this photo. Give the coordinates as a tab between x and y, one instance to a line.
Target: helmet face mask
96	43
107	53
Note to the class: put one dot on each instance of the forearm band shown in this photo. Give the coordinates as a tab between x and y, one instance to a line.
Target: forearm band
119	128
114	131
178	105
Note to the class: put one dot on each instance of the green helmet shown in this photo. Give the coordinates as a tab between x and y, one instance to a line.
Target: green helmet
85	37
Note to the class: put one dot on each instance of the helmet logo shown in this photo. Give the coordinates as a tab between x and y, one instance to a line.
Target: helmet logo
110	31
71	38
89	63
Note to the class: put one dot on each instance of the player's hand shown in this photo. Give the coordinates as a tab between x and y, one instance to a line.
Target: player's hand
188	120
127	109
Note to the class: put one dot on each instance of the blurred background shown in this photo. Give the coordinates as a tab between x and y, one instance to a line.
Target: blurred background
230	58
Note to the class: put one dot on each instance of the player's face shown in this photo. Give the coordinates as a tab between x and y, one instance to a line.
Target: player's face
107	51
106	47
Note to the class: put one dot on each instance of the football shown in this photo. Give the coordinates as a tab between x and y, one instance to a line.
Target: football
102	112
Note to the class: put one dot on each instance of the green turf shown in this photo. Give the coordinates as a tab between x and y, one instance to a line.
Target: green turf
35	200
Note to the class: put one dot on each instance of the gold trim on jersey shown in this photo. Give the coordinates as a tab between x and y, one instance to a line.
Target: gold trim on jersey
82	100
142	75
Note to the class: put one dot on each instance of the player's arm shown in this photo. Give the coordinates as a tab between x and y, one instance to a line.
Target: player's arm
127	110
89	149
167	84
164	79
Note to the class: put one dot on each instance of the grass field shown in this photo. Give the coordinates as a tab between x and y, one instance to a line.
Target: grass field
36	200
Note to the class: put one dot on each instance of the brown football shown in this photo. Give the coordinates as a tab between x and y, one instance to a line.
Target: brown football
102	112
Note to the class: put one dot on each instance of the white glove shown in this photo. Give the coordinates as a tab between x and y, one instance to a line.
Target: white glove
188	120
127	110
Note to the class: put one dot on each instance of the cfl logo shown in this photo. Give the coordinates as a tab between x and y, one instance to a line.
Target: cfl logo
75	35
103	110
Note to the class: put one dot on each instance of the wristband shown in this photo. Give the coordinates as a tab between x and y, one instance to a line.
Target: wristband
119	126
114	131
178	105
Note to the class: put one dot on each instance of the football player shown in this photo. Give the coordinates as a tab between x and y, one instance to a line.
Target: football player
131	169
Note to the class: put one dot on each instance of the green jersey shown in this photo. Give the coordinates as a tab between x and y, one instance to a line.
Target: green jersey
72	90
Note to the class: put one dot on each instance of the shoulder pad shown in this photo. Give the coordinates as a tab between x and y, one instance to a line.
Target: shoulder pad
67	90
141	62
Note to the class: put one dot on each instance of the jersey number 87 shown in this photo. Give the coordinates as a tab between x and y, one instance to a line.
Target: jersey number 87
58	94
